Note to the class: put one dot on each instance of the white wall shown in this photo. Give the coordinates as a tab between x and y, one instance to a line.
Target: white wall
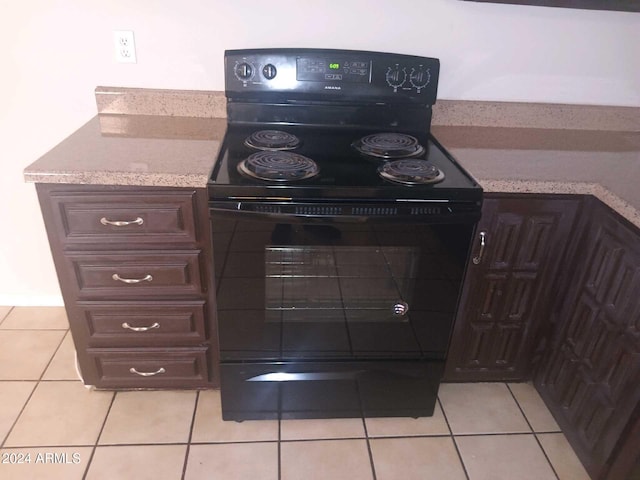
55	52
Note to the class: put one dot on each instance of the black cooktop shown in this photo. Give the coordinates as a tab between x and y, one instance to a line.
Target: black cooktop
343	171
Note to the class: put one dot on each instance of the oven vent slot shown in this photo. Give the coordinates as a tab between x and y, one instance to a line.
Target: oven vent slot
318	210
267	208
426	210
374	211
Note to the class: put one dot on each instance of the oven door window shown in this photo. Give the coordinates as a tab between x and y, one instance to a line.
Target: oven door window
290	290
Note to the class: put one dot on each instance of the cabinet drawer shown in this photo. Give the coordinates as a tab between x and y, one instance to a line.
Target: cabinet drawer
120	324
111	217
135	274
148	368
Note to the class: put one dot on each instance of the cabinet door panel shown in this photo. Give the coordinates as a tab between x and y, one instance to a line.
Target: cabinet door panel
519	295
505	235
477	338
537	240
590	377
502	307
491	295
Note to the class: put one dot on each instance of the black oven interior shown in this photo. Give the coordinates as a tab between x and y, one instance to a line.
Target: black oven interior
341	230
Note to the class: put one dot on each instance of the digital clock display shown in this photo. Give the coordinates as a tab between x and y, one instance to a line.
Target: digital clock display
335	70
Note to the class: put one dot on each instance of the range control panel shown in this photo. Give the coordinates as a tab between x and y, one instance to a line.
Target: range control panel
326	74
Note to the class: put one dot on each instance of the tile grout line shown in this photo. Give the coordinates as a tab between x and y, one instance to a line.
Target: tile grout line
237	442
366	436
366	433
193	422
53	356
8	380
19	414
497	434
453	439
535	435
34	329
401	437
279	448
110	445
296	440
7	314
339	439
95	445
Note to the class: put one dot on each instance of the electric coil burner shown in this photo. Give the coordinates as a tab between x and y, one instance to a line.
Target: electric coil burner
272	140
410	172
278	166
389	145
341	231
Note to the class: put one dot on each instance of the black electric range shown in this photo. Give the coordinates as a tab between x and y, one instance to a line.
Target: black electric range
341	233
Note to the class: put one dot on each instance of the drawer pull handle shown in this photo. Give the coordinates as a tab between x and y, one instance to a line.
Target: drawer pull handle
121	223
478	259
146	278
147	374
140	329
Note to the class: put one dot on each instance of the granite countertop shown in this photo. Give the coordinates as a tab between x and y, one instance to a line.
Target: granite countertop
151	144
146	150
605	164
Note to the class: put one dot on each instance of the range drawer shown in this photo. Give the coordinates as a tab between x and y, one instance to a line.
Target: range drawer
121	324
135	273
147	368
272	390
112	217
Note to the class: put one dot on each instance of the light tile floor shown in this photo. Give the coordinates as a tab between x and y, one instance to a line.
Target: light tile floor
52	427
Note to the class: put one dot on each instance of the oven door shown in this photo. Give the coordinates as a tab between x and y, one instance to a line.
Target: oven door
307	300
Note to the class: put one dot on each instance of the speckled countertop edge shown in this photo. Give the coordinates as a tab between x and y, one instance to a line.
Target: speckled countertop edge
145	179
625	209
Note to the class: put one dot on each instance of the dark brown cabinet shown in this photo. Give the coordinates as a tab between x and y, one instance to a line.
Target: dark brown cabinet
135	269
555	294
590	374
504	303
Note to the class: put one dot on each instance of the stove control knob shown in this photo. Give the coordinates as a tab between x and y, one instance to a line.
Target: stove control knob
396	76
244	71
269	71
419	77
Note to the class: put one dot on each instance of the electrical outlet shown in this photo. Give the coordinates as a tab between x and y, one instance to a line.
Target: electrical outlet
125	46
